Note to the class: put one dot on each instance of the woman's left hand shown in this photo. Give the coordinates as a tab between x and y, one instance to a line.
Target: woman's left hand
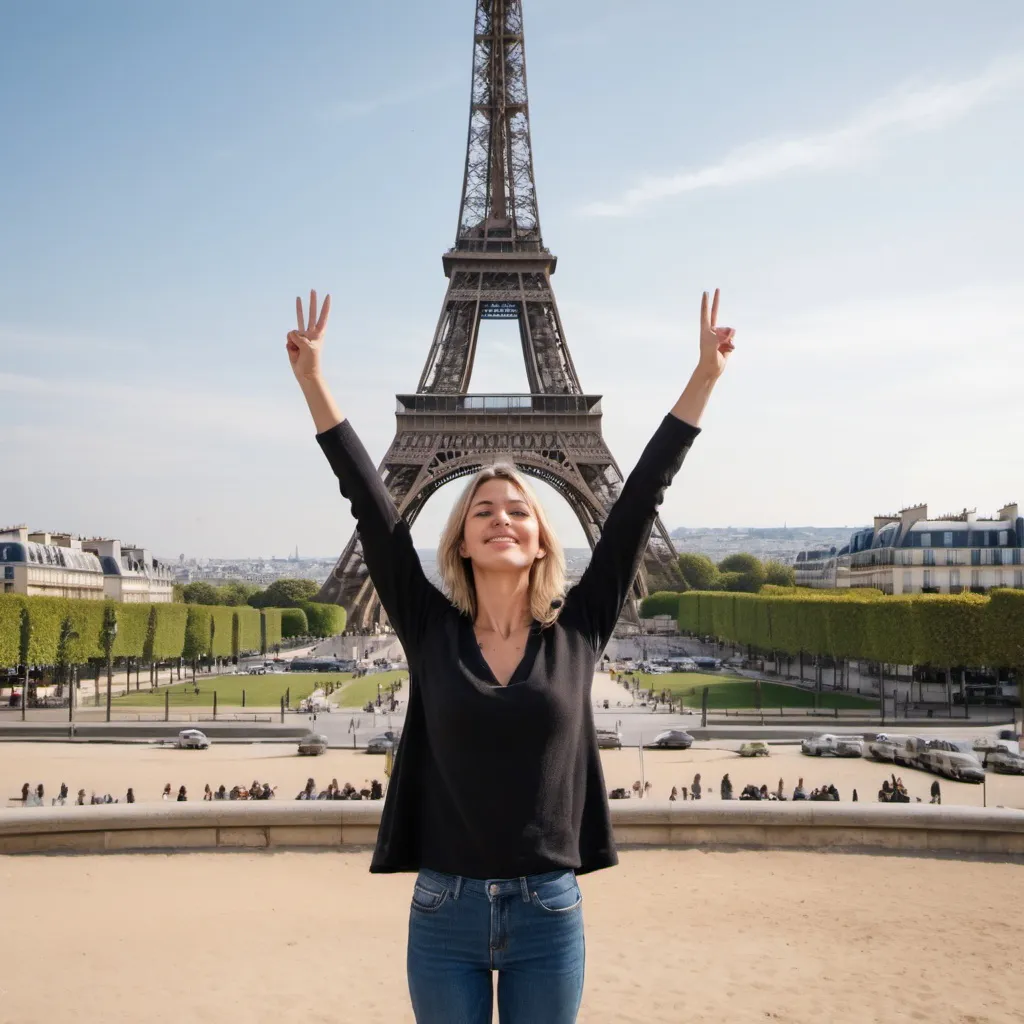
716	343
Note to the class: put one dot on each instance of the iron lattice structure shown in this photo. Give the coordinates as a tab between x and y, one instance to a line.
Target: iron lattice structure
498	268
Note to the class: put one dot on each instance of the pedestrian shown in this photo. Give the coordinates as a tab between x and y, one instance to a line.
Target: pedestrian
167	792
129	797
936	792
726	787
673	795
506	627
182	796
695	787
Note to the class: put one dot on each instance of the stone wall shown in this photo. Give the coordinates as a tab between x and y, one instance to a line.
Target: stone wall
248	825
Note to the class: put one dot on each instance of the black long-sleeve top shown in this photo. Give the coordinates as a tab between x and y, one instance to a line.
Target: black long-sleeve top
494	781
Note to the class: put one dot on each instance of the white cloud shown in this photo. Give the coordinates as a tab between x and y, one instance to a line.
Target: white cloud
911	108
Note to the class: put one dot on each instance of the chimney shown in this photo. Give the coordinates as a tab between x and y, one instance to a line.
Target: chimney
914	514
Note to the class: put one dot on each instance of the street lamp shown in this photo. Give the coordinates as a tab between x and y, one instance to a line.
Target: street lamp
108	635
66	637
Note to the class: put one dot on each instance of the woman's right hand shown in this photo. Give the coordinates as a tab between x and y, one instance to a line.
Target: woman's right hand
305	344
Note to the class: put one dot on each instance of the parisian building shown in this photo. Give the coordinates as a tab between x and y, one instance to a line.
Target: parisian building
48	564
910	553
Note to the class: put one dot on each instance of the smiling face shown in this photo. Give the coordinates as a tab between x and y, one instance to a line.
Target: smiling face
501	532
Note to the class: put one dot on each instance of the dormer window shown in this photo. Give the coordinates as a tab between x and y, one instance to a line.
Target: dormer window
926	540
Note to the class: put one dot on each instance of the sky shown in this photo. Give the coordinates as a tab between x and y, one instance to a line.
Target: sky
173	175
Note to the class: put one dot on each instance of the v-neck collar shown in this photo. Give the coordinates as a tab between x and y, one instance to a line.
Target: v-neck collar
473	654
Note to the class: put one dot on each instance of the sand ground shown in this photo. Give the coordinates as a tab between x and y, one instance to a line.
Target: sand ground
147	768
793	938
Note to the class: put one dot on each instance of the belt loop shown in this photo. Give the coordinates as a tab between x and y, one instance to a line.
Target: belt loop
458	885
525	888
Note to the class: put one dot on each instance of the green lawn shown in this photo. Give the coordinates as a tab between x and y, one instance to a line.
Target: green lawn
260	691
736	692
356	693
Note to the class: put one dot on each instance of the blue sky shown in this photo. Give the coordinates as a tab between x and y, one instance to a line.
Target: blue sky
173	175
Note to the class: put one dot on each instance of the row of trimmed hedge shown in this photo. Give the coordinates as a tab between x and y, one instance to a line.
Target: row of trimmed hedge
31	629
311	619
927	629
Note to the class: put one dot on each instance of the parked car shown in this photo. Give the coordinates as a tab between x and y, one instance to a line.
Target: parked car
313	744
707	664
736	661
755	748
954	765
384	742
883	746
683	665
830	743
672	739
1003	760
609	739
1006	739
192	739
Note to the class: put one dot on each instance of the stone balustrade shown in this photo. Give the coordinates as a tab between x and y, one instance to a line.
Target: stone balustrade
272	824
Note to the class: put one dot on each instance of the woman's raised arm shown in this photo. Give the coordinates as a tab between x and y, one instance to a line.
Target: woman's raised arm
304	347
596	601
411	601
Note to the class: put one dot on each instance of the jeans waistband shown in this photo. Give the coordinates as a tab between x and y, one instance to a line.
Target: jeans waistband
495	887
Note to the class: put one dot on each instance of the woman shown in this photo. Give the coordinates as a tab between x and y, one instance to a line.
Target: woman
497	798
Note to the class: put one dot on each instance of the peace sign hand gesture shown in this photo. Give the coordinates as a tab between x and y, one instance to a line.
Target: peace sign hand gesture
716	343
305	344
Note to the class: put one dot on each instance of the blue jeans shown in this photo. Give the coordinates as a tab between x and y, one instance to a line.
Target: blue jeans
529	930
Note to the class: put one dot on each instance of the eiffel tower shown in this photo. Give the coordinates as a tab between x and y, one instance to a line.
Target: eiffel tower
499	269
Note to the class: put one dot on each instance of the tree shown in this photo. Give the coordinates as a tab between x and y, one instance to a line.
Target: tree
750	569
698	571
779	574
201	593
286	593
731	581
237	594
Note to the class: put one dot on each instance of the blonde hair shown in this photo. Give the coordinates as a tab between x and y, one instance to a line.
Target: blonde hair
547	575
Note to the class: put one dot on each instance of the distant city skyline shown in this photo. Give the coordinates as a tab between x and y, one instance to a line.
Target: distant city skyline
838	531
855	192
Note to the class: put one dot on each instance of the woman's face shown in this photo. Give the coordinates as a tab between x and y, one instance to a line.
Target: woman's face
501	532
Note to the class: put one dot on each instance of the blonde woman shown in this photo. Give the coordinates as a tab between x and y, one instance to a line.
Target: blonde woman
497	798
